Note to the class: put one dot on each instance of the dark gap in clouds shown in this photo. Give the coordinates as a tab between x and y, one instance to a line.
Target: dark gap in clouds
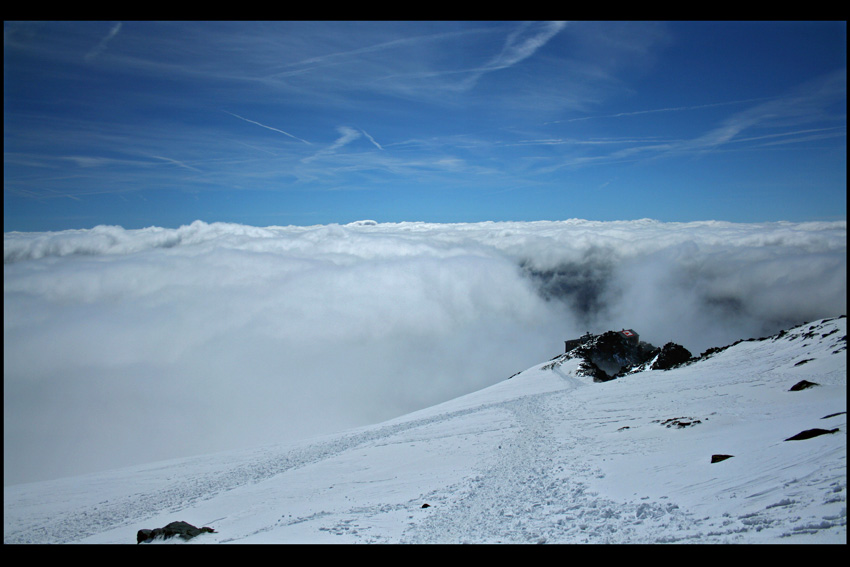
697	296
581	286
597	292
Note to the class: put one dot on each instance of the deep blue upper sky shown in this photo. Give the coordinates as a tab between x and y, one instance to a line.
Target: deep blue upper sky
276	123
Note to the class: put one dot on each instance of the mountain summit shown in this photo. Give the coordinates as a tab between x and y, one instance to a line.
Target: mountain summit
617	353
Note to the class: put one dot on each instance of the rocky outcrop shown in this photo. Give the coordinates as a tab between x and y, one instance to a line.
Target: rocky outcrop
802	385
181	529
616	353
809	433
679	422
670	356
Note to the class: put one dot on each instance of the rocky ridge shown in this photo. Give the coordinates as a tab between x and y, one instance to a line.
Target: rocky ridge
613	354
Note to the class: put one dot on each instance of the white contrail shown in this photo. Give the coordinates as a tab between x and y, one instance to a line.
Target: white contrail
177	163
371	139
267	127
669	109
98	49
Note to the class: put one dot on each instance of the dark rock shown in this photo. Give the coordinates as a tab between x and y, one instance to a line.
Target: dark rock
805	360
802	385
588	368
680	422
671	355
809	433
611	354
718	458
712	351
834	414
181	529
426	505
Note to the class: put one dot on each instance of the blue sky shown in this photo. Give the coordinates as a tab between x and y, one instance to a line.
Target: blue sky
275	123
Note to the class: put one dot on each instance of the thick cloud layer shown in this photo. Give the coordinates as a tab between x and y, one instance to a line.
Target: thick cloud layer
126	346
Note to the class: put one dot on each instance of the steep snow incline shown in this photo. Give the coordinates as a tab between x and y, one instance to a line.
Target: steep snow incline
546	456
738	402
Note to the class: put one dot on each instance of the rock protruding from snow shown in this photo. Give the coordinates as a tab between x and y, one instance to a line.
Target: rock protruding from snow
183	530
613	354
810	433
719	458
801	385
670	356
679	422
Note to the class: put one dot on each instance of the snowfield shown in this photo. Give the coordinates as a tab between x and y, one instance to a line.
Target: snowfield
546	456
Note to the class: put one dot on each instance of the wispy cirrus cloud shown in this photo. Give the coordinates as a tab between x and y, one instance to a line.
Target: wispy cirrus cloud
519	45
347	135
470	106
523	43
771	121
808	104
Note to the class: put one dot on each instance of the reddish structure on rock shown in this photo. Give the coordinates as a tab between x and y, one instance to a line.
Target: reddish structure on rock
630	335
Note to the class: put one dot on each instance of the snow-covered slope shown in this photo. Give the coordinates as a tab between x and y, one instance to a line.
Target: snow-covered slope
546	456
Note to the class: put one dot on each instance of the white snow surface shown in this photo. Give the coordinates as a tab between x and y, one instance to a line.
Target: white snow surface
546	456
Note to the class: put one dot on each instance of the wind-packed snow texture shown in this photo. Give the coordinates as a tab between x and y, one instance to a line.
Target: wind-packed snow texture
124	347
545	456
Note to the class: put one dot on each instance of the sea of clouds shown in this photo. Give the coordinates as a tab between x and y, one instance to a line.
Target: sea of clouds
128	346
